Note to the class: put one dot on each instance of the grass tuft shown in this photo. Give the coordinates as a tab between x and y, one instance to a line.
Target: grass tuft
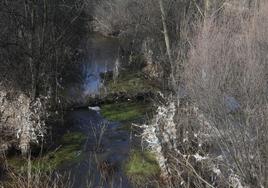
141	167
70	152
130	83
125	111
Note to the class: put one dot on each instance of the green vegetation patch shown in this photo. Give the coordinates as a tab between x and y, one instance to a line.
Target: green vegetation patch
125	111
130	83
68	153
141	166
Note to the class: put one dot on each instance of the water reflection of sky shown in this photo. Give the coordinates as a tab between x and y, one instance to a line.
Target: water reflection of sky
91	72
100	54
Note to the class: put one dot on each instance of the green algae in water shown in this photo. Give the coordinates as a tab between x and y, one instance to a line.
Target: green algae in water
69	152
125	111
141	166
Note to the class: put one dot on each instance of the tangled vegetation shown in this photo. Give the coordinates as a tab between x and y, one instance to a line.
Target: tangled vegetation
142	167
205	59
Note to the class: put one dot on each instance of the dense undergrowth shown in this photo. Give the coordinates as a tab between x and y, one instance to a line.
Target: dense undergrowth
69	151
210	130
208	59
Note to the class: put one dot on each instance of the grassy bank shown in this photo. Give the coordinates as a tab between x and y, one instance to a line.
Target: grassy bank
125	111
141	167
68	152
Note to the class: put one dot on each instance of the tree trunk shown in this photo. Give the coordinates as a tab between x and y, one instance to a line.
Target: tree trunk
167	42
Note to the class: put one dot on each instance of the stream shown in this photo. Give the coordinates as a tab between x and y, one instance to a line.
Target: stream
94	146
108	143
104	150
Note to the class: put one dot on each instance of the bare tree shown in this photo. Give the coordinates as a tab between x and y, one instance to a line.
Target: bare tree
33	34
34	49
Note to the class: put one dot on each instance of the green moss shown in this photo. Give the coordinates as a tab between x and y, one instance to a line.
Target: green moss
124	111
141	166
130	83
68	153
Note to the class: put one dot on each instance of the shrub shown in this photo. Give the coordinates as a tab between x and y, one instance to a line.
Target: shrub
226	78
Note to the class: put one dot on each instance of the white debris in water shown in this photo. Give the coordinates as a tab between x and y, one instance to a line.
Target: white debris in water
95	108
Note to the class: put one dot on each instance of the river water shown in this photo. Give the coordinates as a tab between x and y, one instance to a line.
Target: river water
106	148
96	54
108	143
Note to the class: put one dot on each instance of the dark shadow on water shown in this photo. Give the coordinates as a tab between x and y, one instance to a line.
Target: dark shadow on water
105	150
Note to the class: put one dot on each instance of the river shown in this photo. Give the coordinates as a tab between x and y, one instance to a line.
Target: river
91	146
108	143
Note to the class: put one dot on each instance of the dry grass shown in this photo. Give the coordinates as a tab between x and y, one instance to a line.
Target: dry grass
227	79
33	178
